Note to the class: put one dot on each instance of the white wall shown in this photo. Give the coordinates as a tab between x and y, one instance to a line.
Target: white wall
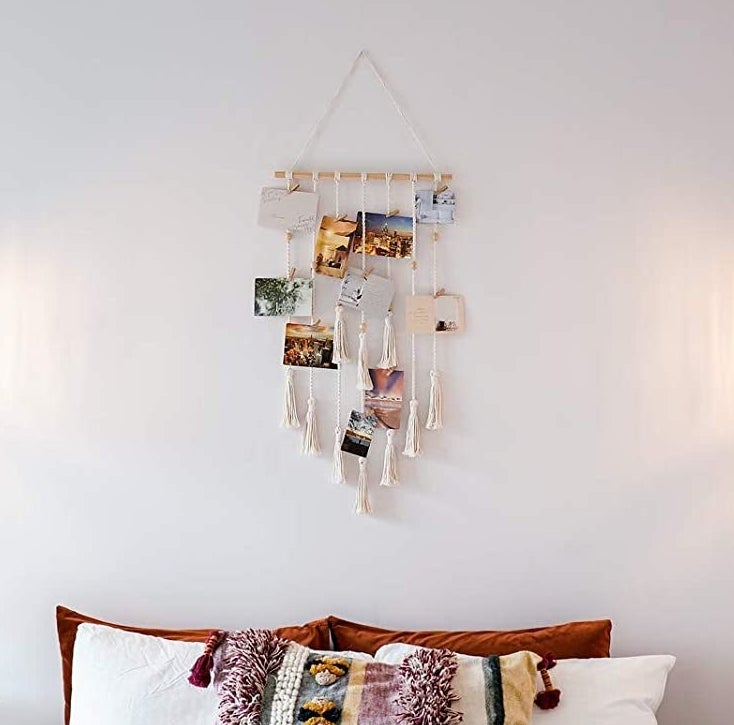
587	467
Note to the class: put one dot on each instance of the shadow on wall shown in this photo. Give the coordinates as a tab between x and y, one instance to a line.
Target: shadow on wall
25	716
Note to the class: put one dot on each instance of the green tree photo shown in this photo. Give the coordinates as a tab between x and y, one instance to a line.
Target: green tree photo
280	296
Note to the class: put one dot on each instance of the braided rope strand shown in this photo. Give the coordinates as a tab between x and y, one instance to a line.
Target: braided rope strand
412	434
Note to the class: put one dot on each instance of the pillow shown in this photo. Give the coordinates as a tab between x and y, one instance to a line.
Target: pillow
313	634
577	639
126	678
612	691
262	678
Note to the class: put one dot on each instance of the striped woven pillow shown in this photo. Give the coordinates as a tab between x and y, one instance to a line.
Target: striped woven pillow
262	679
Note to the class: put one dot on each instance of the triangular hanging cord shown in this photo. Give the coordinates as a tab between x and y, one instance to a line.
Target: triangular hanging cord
316	130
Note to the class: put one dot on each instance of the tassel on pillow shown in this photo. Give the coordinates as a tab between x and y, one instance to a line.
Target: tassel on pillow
201	672
551	696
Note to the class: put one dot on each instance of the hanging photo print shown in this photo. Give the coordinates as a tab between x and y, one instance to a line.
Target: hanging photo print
293	211
370	294
386	236
332	246
283	297
426	314
433	207
385	400
309	346
359	433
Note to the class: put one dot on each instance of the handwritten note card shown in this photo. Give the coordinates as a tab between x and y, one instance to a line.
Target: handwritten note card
420	318
295	211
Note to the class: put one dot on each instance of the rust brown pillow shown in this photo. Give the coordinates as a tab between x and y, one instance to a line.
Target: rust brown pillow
312	634
565	641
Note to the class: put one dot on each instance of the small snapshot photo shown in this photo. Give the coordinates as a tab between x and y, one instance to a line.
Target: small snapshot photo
369	293
360	430
294	211
385	400
435	207
332	246
309	346
426	314
386	236
283	297
448	311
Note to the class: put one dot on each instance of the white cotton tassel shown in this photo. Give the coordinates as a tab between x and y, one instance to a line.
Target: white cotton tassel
364	381
390	464
413	432
310	446
337	470
362	504
434	420
389	359
290	410
341	351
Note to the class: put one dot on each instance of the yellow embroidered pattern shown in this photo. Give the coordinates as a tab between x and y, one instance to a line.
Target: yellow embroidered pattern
327	670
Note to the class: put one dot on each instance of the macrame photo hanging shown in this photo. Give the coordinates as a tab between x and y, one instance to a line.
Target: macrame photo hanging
374	256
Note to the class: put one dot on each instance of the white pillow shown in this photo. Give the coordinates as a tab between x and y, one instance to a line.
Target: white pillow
604	691
125	678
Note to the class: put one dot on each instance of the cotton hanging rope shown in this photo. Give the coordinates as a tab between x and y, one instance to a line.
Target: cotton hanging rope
311	445
364	382
412	434
318	126
341	351
388	359
289	418
337	470
434	419
388	212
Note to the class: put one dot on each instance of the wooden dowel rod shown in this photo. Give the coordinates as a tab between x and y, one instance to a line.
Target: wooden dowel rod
358	175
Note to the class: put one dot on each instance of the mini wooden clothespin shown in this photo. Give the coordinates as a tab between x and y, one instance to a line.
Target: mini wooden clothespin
288	235
341	217
388	182
316	323
440	292
436	233
291	274
367	272
289	181
442	189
